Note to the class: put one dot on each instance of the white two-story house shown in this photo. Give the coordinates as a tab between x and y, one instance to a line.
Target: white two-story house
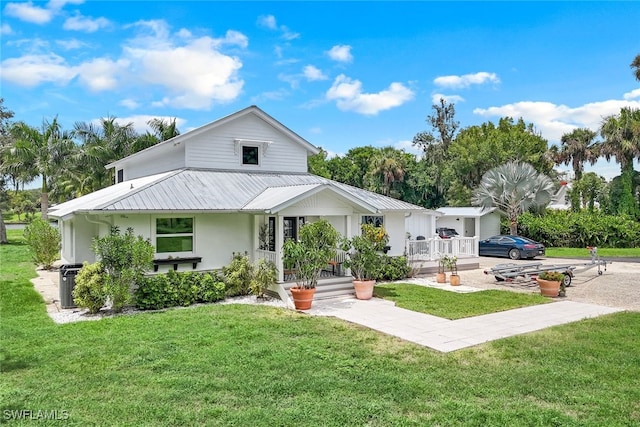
238	184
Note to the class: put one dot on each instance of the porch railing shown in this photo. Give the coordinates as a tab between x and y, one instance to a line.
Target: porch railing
268	255
432	249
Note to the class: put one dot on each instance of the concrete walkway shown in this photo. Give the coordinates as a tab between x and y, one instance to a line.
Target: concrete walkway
448	335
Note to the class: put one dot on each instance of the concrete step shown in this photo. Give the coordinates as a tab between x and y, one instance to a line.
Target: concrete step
330	288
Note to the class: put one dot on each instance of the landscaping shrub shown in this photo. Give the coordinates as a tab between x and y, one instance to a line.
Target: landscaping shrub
89	290
43	241
580	229
125	259
178	289
265	274
237	275
393	268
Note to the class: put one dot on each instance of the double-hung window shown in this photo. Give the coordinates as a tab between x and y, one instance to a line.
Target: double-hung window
174	235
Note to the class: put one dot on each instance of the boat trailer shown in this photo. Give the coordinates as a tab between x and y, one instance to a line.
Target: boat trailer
511	272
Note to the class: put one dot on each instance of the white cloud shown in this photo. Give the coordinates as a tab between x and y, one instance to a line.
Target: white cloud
268	21
632	95
71	44
340	53
5	29
313	74
349	97
555	120
195	73
32	70
461	82
28	12
451	99
85	23
131	104
102	74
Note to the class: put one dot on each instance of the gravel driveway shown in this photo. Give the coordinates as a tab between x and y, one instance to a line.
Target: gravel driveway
618	286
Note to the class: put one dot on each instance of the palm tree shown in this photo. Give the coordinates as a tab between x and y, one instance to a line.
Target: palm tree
389	167
636	66
42	153
577	147
513	187
621	135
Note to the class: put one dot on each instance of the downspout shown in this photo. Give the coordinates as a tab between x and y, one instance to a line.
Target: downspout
98	221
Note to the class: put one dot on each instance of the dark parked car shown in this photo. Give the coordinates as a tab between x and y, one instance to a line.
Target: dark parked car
514	247
446	233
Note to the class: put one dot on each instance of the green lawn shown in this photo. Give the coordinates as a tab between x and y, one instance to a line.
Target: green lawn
584	253
451	305
261	366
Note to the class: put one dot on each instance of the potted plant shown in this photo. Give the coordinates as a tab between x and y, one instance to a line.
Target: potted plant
363	258
550	282
441	275
308	256
451	262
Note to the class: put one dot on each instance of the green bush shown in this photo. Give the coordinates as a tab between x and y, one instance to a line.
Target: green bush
43	241
393	268
237	275
178	289
89	290
580	229
265	274
125	258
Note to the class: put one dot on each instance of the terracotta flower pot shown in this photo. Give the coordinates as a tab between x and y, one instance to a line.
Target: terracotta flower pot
364	288
548	288
302	298
454	279
441	277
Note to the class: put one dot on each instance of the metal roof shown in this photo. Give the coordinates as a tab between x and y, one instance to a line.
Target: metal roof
469	212
202	190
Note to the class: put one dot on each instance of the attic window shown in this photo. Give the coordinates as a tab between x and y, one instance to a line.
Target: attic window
120	176
250	155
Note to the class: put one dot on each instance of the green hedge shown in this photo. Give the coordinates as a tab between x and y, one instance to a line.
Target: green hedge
394	268
580	229
178	289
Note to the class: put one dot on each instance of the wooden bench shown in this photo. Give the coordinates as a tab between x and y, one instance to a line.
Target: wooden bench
176	261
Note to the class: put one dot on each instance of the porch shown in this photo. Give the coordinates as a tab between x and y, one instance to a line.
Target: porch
423	255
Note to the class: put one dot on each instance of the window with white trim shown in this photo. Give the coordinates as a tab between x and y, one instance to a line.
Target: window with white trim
250	155
174	234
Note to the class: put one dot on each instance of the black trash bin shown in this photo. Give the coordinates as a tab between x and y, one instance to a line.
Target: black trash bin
68	274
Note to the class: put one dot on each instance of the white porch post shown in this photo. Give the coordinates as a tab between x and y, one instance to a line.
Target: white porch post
279	243
348	227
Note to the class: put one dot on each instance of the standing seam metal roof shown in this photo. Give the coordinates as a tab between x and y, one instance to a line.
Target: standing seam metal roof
218	190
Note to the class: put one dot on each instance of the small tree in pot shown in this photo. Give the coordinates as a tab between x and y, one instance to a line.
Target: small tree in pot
364	259
308	256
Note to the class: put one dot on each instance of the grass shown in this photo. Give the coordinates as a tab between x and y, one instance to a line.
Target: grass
262	366
451	305
584	253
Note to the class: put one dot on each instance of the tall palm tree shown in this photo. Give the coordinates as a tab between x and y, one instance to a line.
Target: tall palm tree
621	135
636	67
577	147
513	187
42	153
100	145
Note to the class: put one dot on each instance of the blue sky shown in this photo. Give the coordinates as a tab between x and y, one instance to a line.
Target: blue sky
340	74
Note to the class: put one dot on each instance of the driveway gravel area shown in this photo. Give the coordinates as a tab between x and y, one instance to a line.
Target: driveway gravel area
618	286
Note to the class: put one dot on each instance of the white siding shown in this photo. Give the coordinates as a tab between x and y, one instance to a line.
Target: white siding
164	159
77	235
218	150
394	225
489	225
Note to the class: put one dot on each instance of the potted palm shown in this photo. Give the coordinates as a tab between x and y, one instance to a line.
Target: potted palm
451	262
363	258
550	282
308	256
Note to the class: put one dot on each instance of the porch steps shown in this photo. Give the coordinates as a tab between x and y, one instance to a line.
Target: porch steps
337	287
